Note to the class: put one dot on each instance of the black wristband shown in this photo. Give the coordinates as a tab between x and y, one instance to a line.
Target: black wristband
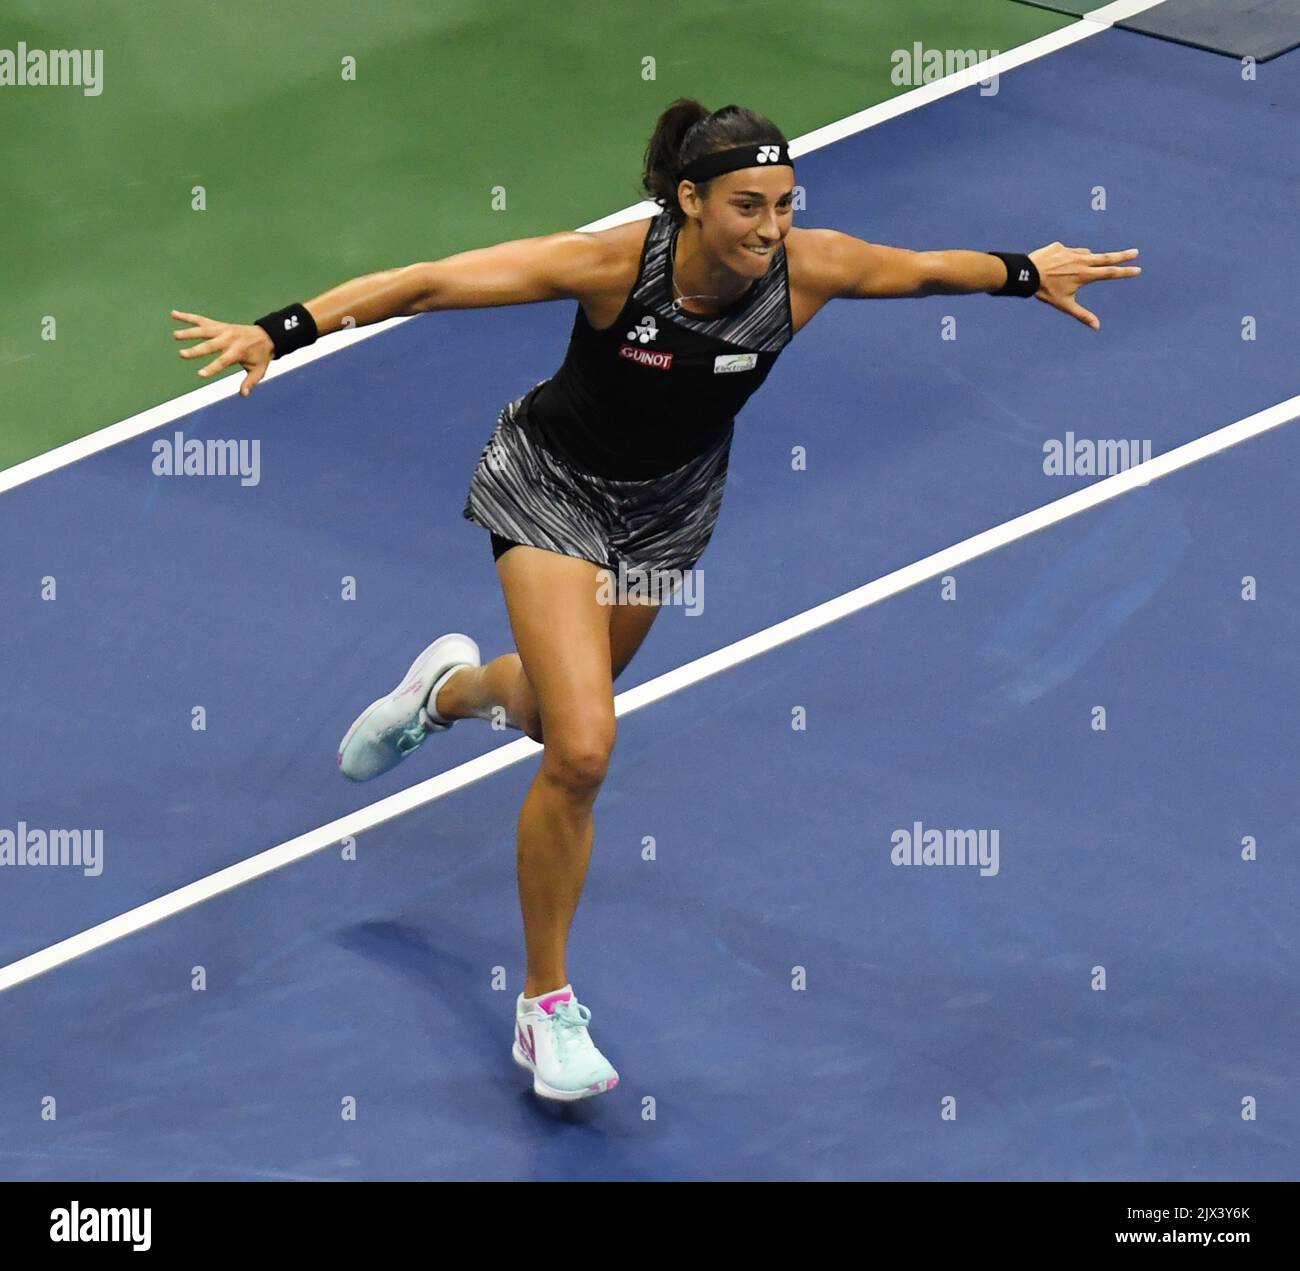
289	329
1022	275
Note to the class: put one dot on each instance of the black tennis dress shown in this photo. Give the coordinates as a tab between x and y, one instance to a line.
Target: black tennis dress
621	456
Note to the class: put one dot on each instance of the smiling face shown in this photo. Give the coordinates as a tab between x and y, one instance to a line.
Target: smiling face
745	217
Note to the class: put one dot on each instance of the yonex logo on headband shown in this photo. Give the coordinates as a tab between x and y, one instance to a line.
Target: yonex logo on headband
714	165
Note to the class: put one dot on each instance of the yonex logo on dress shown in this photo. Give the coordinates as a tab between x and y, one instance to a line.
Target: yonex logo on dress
646	357
769	154
644	331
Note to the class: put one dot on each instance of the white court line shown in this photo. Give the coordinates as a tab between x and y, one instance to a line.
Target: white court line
1120	11
228	385
644	694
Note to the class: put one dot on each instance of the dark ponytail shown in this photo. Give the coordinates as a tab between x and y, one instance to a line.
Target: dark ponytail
687	130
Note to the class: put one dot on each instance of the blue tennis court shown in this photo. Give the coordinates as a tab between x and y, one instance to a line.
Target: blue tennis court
781	998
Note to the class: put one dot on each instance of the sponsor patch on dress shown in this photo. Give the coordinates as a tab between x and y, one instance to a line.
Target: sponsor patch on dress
647	357
725	362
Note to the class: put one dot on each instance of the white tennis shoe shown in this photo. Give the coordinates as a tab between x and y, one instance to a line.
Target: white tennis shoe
552	1042
395	726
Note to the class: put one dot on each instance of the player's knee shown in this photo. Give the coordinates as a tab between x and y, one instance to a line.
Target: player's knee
578	752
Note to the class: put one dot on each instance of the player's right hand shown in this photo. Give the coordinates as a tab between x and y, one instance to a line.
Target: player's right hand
250	347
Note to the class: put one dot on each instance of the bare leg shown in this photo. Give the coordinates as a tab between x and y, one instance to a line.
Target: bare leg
556	825
501	690
556	832
573	647
497	691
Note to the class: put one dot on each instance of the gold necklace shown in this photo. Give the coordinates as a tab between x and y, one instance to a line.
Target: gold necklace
677	304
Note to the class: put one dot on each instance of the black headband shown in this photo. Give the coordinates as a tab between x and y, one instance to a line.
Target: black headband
714	165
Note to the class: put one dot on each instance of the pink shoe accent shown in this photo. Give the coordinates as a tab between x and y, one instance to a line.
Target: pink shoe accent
527	1044
549	1003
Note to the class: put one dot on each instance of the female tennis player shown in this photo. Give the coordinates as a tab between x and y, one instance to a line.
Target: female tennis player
616	463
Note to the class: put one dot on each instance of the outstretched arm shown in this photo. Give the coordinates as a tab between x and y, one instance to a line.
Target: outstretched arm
850	268
552	267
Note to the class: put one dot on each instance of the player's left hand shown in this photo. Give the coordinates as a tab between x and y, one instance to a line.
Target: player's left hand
1063	270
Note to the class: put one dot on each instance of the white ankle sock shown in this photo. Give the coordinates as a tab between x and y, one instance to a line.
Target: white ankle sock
432	700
